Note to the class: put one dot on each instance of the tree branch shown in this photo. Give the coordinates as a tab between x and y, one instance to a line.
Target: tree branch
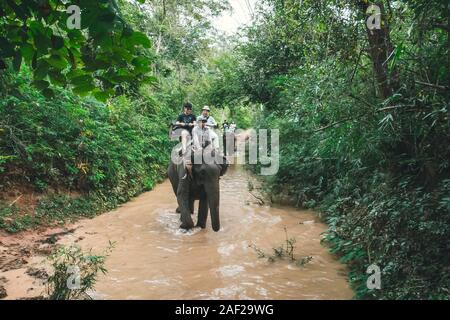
432	85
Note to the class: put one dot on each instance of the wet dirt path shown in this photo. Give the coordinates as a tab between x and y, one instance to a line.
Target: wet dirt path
154	259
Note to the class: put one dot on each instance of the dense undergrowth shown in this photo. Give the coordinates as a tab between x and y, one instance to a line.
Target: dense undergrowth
375	164
105	153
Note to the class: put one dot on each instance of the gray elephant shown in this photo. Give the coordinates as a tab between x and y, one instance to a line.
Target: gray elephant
203	185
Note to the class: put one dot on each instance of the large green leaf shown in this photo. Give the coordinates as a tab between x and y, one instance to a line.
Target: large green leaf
41	84
122	54
57	42
141	64
41	70
81	80
75	73
72	59
27	51
103	95
57	61
42	43
137	38
84	88
57	78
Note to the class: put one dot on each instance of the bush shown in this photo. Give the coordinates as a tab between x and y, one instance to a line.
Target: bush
74	273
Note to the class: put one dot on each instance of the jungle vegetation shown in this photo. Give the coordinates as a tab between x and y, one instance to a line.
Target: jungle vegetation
363	115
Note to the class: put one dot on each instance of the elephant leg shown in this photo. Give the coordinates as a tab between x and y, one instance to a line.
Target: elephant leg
213	195
183	199
202	211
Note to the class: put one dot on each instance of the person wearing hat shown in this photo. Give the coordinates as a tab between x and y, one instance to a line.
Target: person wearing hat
211	124
201	134
186	121
210	121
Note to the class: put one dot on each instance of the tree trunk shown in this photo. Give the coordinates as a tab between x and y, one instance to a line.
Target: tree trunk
380	49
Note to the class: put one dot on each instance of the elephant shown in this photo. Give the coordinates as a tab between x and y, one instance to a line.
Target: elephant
203	185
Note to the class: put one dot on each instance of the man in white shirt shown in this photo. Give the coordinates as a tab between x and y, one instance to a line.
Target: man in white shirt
201	134
233	126
211	124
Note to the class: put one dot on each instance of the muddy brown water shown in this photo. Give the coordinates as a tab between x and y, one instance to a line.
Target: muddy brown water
154	259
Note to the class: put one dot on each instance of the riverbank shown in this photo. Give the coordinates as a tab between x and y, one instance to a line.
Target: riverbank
154	259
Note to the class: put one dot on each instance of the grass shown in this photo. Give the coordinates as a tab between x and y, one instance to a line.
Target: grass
285	250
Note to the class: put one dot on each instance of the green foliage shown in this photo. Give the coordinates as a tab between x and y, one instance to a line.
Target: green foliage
184	55
83	267
12	221
377	167
107	152
362	230
84	156
102	57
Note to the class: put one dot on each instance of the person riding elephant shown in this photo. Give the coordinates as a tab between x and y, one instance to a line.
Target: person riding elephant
186	121
211	124
200	183
203	135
